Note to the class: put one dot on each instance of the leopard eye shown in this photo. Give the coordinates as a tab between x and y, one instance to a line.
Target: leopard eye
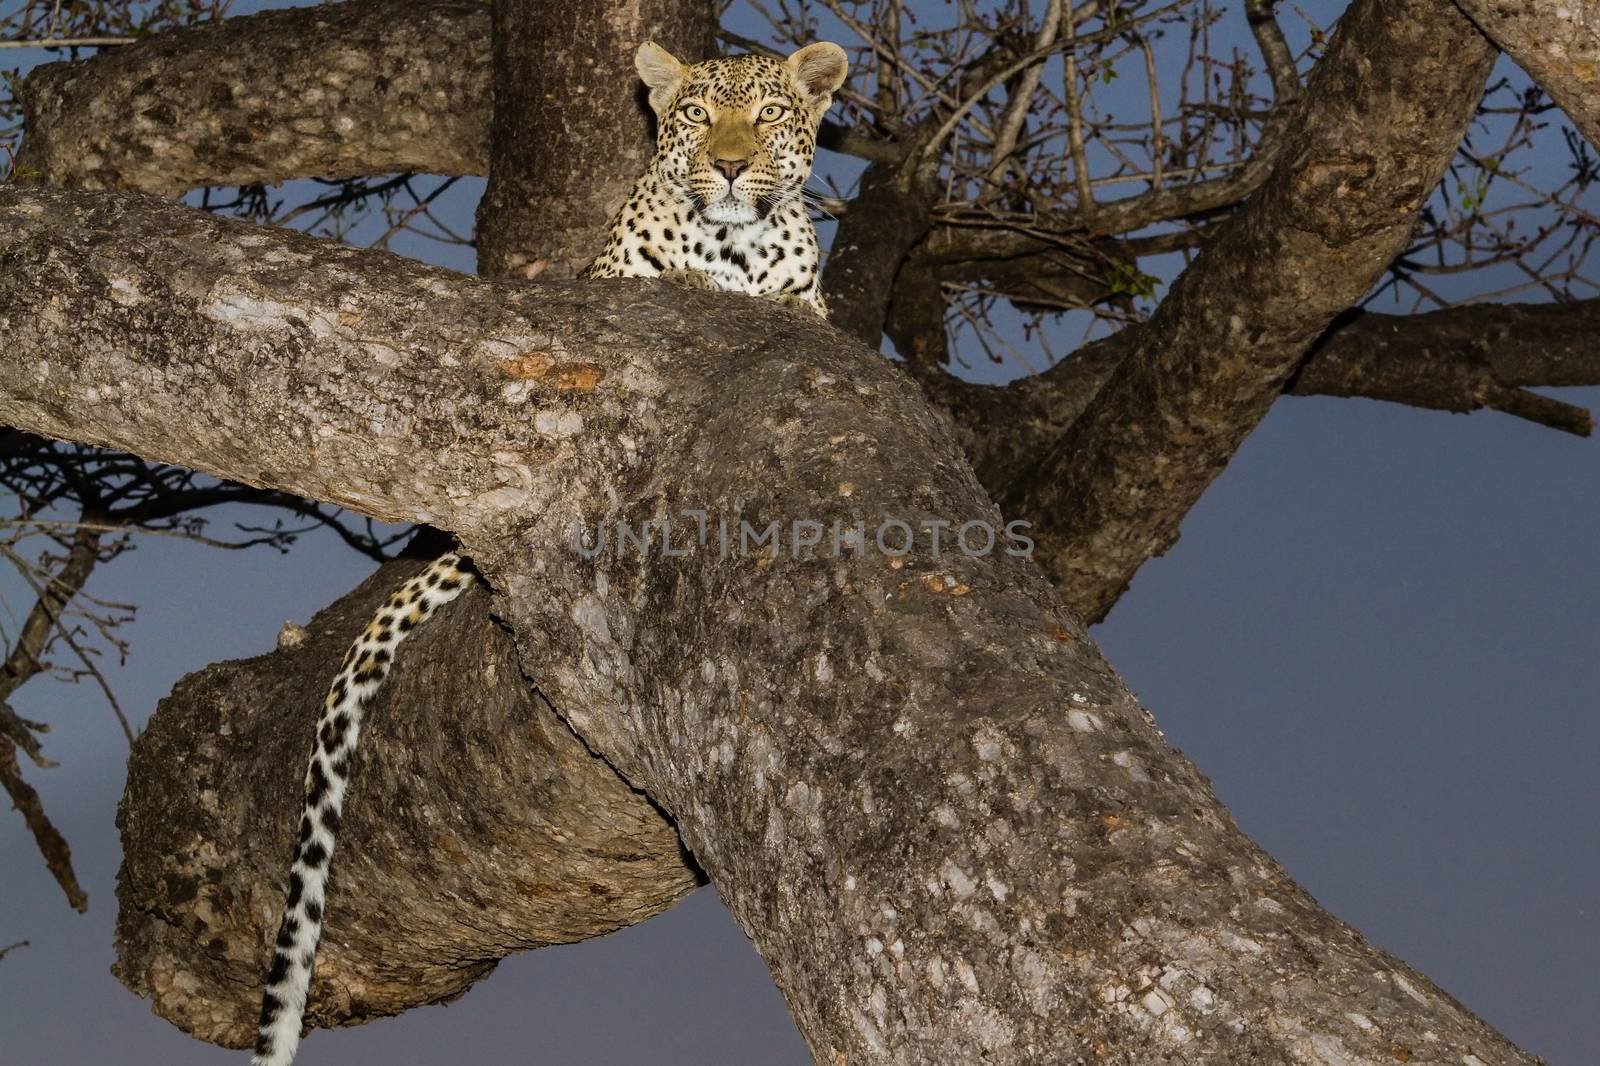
773	112
695	113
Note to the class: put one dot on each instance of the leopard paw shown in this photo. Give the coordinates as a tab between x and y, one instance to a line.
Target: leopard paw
813	304
695	279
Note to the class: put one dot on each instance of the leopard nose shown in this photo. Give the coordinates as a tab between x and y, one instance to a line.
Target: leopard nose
731	168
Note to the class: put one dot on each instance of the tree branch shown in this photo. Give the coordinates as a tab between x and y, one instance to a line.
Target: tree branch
51	844
358	88
1461	359
1557	44
1385	110
890	214
1481	356
561	849
412	83
921	752
1275	51
24	661
44	619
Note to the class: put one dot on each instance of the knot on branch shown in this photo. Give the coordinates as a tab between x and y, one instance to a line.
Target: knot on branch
1343	199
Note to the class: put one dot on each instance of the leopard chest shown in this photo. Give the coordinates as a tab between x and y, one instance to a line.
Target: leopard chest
760	260
775	255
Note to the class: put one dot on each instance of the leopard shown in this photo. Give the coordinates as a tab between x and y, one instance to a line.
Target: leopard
720	206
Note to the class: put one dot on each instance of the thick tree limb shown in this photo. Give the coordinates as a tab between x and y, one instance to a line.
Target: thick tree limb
562	161
889	215
1558	44
100	89
357	88
1383	114
1482	356
415	85
359	59
951	831
497	834
1470	358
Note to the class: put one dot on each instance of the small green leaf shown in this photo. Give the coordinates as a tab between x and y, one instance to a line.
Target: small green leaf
1126	279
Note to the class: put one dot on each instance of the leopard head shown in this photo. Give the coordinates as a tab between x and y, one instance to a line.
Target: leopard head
737	135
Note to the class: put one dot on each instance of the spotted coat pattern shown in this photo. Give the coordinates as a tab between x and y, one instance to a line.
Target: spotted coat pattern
719	207
366	664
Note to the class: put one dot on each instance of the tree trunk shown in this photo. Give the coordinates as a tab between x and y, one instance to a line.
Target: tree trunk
568	136
950	830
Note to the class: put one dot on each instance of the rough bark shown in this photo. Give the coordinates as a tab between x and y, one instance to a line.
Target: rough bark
358	88
1557	44
889	215
551	832
1384	112
562	162
100	87
1477	357
950	830
1471	358
497	834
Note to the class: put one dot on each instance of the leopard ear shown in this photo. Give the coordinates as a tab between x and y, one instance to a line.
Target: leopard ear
817	70
661	71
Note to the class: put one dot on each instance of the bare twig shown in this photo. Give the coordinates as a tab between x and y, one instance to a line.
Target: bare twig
1021	102
53	598
1080	162
1067	43
69	42
51	844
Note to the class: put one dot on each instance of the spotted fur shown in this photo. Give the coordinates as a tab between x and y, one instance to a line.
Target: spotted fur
366	664
719	207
